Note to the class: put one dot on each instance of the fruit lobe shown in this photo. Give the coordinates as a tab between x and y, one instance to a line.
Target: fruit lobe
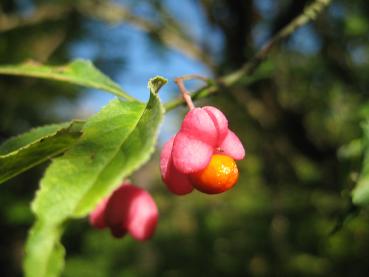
220	175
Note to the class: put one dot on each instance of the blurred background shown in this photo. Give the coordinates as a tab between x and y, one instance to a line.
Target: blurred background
300	122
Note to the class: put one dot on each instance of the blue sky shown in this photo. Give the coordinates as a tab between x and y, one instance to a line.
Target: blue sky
136	60
141	60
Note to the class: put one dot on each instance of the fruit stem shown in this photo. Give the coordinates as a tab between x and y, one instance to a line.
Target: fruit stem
185	94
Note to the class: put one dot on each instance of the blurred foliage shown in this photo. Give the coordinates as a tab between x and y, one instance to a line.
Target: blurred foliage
300	125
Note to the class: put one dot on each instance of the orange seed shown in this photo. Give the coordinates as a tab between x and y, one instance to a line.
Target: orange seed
220	175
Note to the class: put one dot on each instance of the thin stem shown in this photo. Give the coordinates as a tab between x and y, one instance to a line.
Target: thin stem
185	94
248	69
310	13
194	77
173	36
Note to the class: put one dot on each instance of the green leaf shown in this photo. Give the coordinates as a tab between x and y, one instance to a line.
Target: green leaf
79	72
353	149
36	146
115	142
356	25
360	195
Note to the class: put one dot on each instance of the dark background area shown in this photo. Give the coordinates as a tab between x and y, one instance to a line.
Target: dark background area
300	123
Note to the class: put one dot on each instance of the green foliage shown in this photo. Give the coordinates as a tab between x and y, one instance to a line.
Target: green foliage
360	195
293	122
115	142
36	146
357	25
79	72
354	149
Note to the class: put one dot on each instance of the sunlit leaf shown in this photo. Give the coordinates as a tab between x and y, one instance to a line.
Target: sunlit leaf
360	195
356	25
36	146
115	142
79	72
353	149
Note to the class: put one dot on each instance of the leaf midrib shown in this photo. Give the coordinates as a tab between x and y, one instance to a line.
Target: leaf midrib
48	73
108	162
31	165
25	147
56	223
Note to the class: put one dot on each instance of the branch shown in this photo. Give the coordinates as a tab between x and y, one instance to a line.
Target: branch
115	13
112	13
41	14
309	14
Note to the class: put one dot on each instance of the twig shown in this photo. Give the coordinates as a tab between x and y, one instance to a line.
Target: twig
309	14
41	14
200	93
110	12
194	77
185	94
115	13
